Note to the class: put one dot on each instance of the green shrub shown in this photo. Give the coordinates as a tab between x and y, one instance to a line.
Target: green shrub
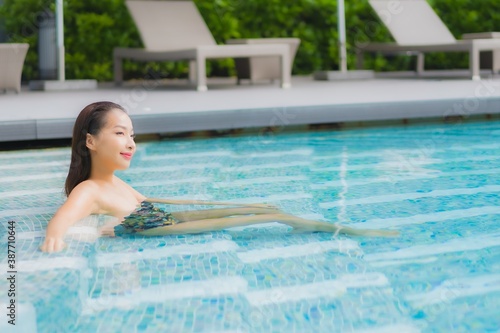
94	27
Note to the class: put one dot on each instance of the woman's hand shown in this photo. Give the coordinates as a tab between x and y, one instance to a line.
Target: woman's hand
53	244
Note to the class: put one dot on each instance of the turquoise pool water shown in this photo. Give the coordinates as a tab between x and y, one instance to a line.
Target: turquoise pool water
437	184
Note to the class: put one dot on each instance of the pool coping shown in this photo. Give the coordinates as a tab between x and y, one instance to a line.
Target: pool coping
51	115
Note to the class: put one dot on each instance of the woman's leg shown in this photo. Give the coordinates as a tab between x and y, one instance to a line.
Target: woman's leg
193	215
299	225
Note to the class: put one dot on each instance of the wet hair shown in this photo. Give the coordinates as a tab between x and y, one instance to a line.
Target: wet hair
90	121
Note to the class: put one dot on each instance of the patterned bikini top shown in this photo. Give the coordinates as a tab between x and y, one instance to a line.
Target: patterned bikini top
147	216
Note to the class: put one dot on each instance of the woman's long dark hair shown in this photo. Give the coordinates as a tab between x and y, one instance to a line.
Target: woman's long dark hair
90	121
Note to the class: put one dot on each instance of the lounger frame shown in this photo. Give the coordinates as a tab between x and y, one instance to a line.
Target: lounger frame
175	31
417	30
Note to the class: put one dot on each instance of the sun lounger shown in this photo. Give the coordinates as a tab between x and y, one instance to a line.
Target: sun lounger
175	30
11	65
417	29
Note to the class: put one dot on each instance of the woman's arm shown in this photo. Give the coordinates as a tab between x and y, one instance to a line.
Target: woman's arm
141	198
80	203
201	202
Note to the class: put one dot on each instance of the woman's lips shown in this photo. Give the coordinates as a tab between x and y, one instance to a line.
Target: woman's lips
127	156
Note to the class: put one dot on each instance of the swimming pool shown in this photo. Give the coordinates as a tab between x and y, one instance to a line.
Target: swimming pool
438	184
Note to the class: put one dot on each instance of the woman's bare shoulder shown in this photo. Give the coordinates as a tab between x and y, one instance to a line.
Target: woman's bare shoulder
84	196
86	186
88	191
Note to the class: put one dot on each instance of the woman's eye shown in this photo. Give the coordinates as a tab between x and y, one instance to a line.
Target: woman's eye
133	136
119	133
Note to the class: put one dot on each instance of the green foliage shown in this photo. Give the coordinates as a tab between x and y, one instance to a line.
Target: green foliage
94	27
311	21
21	23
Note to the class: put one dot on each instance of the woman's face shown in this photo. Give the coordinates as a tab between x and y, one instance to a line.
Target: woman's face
114	146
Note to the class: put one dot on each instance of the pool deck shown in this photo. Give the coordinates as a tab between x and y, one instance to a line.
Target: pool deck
173	107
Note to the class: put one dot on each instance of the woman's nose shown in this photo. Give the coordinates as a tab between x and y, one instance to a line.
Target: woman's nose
131	144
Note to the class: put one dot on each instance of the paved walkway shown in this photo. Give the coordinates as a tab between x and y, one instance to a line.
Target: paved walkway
176	108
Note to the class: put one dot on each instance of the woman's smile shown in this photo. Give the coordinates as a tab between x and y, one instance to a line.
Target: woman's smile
127	156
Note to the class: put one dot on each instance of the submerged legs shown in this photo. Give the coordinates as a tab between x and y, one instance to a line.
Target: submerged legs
217	213
299	225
